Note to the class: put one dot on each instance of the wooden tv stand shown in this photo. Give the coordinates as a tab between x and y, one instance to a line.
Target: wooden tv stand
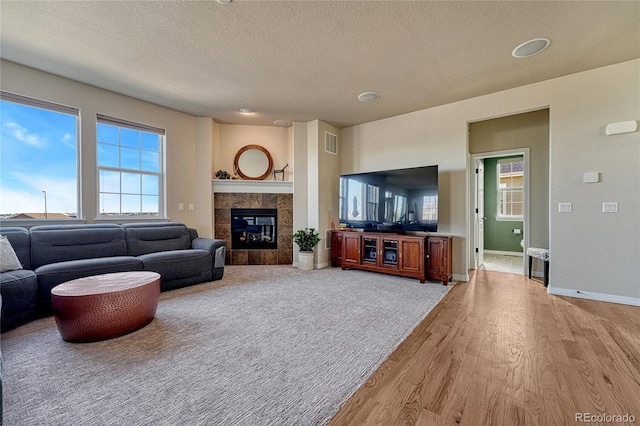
412	256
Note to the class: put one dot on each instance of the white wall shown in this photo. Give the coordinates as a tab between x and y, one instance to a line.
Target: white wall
590	251
206	128
328	184
232	137
181	149
300	181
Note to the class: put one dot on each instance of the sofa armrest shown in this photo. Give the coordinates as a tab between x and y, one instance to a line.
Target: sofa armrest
217	248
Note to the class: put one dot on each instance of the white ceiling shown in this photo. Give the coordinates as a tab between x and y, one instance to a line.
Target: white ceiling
306	60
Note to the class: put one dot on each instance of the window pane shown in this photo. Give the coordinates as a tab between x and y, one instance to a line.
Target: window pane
150	204
129	137
516	209
108	155
107	134
130	158
150	161
150	185
109	204
150	142
130	183
45	186
131	204
517	196
109	181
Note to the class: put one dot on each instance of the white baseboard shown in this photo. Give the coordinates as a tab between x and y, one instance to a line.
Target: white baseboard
461	277
601	297
505	253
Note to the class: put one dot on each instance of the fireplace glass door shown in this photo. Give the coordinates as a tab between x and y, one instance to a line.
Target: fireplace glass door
254	228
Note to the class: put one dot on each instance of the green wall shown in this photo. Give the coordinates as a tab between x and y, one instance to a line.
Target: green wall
498	235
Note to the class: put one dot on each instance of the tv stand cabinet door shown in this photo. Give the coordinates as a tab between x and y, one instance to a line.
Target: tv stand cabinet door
412	256
440	254
350	249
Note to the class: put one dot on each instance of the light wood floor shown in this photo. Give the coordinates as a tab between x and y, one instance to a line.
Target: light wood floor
499	350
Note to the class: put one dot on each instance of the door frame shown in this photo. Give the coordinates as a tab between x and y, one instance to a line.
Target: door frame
473	225
477	211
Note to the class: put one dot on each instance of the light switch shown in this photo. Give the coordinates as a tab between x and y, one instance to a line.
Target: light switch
610	207
591	177
565	207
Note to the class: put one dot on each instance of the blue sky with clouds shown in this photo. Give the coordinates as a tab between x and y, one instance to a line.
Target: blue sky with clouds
37	153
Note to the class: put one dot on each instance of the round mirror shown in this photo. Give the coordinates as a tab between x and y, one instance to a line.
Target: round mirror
253	162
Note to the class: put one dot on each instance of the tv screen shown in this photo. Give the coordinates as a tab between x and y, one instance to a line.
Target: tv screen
391	200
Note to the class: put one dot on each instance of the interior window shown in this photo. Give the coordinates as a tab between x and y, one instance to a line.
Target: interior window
510	184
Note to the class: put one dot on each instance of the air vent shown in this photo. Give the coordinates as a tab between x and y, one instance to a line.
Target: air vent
330	143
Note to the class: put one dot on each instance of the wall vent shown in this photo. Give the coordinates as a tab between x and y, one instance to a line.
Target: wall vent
330	143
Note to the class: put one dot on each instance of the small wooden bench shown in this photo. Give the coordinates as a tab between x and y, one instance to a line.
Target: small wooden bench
542	254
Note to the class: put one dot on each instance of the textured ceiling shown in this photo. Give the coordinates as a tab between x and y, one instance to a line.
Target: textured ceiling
306	60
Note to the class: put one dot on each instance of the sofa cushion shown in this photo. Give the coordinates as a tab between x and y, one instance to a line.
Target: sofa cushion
19	292
61	243
53	274
144	238
179	264
20	242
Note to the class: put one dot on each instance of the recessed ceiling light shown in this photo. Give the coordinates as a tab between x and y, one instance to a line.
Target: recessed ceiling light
224	1
531	47
281	123
246	110
368	96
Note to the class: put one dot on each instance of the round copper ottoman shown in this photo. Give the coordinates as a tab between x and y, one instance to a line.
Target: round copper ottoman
101	307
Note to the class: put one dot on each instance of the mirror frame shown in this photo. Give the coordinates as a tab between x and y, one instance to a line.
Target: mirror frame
236	167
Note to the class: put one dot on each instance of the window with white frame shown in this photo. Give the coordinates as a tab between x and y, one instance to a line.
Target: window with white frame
510	182
130	169
39	159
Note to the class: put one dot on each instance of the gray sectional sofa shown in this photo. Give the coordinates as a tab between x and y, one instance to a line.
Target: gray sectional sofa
53	254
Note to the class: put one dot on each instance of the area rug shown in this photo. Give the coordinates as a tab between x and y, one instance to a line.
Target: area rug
266	345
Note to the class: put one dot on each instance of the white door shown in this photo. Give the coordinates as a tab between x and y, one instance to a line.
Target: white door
479	212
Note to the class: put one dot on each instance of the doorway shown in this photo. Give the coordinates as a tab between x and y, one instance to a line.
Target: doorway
500	191
525	134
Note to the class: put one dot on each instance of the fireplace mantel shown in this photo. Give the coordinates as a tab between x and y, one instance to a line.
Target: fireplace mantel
252	186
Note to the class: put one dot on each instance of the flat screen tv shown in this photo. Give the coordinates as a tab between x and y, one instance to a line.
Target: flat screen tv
391	200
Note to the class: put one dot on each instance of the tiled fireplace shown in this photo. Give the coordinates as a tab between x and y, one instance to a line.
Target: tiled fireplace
258	251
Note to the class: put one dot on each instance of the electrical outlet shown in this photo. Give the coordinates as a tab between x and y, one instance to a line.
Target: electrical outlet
192	207
610	207
565	207
180	206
